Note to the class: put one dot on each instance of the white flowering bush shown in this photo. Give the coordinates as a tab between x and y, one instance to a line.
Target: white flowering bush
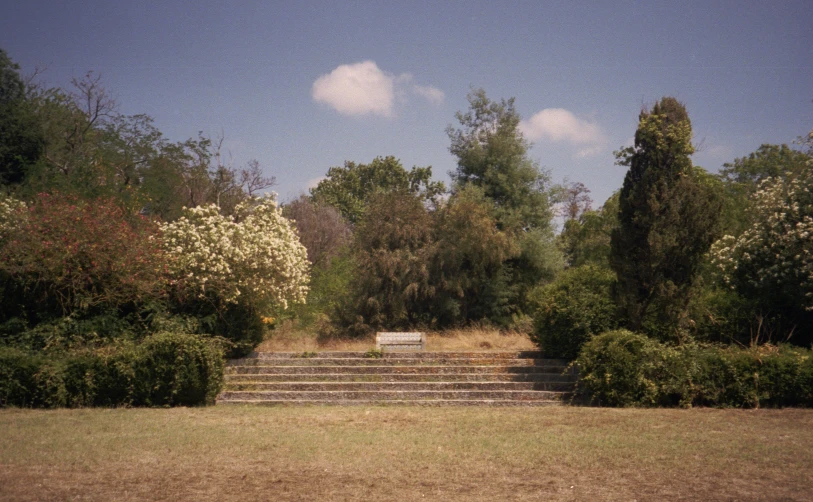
11	210
253	257
773	259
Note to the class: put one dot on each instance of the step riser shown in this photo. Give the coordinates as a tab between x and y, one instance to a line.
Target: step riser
389	377
520	395
398	378
325	361
401	355
436	403
399	386
371	370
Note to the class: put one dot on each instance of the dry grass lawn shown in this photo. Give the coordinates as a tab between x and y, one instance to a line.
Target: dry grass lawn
287	338
400	453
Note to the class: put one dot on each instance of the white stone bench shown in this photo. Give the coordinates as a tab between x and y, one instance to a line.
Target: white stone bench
400	341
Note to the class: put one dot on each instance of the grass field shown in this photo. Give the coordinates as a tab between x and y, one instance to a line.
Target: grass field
398	453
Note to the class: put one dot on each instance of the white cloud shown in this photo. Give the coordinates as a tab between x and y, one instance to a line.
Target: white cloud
364	89
432	94
558	124
357	89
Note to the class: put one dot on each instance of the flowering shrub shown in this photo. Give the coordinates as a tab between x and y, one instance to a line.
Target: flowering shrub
78	255
253	257
773	259
11	212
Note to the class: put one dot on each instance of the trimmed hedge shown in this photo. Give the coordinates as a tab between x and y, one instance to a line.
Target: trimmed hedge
165	369
621	368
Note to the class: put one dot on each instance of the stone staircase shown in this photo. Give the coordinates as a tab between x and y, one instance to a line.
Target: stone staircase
415	378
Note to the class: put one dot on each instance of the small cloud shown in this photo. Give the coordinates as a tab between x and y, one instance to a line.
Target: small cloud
558	124
356	89
364	89
432	94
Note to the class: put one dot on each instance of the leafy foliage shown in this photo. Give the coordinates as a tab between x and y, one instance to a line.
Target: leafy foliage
64	255
667	220
573	308
492	155
469	261
621	368
350	188
586	239
771	262
21	142
166	369
391	287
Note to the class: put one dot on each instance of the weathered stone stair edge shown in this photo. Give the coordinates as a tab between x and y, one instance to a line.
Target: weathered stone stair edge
404	386
418	378
400	377
395	394
361	370
395	402
358	361
401	355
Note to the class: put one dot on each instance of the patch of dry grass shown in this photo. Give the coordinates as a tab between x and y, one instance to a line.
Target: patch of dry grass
388	453
289	338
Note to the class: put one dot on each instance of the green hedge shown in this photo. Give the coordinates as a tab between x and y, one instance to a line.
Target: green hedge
165	369
621	368
571	309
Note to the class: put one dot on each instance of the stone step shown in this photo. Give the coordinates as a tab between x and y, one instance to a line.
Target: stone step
402	355
394	402
401	361
393	386
398	377
508	378
367	370
384	395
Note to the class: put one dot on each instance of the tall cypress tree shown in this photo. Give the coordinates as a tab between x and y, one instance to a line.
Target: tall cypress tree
668	218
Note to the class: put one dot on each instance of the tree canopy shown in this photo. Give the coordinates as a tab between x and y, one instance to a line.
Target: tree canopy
349	188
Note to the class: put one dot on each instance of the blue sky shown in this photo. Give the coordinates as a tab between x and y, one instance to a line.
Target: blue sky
303	86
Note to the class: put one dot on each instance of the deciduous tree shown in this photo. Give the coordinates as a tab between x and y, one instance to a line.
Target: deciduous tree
492	154
349	188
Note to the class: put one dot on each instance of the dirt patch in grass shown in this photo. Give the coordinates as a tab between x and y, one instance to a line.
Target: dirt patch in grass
288	338
387	453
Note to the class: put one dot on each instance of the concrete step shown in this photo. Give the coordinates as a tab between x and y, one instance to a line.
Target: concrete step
368	370
418	378
385	395
399	377
400	361
393	402
401	355
392	386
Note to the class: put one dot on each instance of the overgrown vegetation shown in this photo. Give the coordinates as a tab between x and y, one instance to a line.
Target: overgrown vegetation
112	237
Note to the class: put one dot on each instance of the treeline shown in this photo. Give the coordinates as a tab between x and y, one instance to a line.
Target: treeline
418	256
130	265
113	237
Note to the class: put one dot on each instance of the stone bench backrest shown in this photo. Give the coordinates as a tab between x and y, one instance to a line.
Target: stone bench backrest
400	341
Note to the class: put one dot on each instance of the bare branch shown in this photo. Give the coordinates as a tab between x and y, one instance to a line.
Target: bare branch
252	179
